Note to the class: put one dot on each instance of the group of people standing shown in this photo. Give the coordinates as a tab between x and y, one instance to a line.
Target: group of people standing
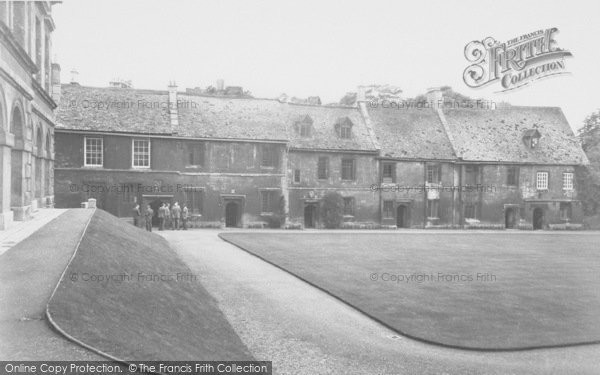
171	217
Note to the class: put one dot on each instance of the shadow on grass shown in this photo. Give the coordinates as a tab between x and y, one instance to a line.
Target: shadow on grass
127	294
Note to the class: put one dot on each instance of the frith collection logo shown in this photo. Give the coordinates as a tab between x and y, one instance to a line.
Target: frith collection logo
516	62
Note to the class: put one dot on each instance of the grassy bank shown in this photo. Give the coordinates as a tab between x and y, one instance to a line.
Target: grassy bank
128	294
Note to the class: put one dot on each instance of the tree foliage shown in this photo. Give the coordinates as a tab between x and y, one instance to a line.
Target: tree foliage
588	177
332	210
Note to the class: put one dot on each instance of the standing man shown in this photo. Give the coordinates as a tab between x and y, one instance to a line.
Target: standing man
149	214
167	216
136	215
161	217
176	214
184	216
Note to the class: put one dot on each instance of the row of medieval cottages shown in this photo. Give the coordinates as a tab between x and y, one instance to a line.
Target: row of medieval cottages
237	161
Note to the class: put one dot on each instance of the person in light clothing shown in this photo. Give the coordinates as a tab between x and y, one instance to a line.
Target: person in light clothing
184	216
176	215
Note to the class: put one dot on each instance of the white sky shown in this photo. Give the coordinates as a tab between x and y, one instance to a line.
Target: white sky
324	48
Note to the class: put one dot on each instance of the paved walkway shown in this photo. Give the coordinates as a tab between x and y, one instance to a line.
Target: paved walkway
29	272
305	331
19	230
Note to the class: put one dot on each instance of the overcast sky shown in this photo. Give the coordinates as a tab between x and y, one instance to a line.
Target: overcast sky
324	48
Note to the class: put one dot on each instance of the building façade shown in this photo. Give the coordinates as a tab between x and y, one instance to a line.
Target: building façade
28	84
240	162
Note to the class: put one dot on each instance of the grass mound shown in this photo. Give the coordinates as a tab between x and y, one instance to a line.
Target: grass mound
128	294
495	291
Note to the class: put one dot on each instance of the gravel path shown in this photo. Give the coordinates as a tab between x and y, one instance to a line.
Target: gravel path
305	331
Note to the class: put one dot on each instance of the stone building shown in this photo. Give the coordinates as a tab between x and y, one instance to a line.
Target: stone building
240	161
29	83
525	160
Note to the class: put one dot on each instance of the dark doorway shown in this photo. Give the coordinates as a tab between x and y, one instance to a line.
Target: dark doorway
310	216
401	217
510	218
155	205
232	214
538	218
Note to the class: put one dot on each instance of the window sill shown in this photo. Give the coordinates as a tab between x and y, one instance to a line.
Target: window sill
93	166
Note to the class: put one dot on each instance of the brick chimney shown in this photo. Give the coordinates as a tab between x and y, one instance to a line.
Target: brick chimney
173	108
361	94
435	97
56	89
220	85
74	77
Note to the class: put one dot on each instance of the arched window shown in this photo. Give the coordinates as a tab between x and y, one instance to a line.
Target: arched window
16	123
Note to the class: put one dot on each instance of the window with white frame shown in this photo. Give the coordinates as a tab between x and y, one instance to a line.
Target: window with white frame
542	181
94	152
141	153
568	181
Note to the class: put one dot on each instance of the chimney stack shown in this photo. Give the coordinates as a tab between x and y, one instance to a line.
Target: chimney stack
173	108
220	85
361	94
435	97
74	77
56	89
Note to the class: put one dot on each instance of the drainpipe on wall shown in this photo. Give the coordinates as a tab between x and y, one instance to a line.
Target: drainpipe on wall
173	108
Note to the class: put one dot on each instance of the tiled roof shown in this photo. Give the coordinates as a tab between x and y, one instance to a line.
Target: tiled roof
497	135
113	110
206	116
323	130
232	118
411	134
476	135
144	111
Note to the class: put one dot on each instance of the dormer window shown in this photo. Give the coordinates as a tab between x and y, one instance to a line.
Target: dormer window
344	128
304	126
531	138
305	130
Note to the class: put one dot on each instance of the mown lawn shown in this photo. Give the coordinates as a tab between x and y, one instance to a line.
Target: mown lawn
128	294
533	289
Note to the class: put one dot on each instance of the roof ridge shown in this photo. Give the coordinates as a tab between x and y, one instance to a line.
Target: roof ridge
447	131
